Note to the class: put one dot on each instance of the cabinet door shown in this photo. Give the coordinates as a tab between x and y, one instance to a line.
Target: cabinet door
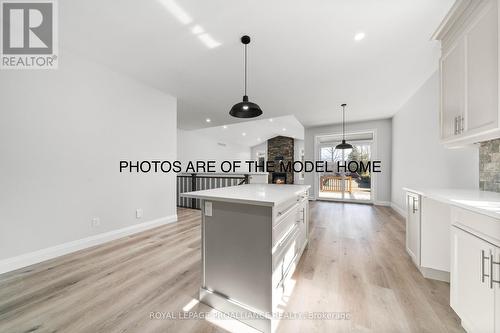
496	276
452	88
413	227
435	219
471	295
482	71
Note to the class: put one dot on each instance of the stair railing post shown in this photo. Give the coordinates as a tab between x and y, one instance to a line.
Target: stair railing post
193	188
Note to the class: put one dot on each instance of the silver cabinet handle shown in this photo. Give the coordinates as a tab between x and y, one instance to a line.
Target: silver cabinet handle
283	212
461	124
483	274
413	205
491	271
456	126
492	275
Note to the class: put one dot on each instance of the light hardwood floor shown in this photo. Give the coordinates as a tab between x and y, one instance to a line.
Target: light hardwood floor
355	263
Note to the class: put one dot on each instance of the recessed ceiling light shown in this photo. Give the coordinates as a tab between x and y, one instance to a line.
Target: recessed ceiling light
359	36
197	29
208	120
271	120
244	134
284	129
224	127
177	11
258	139
208	41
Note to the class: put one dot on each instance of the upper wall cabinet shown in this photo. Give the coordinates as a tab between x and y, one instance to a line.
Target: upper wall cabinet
469	109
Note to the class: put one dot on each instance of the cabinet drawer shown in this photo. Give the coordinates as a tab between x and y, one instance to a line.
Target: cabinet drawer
285	223
277	274
283	255
281	209
483	226
281	249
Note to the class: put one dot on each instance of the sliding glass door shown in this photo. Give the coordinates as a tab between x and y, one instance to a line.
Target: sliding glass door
342	184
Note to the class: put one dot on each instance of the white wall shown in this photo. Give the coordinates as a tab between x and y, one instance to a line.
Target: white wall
195	145
62	135
261	148
418	158
382	152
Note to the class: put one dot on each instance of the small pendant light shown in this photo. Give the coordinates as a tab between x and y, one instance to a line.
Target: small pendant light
343	145
245	109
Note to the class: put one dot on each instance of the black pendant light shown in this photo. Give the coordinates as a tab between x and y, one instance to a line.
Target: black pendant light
343	145
245	109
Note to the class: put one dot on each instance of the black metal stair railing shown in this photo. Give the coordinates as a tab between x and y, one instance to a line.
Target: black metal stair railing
194	182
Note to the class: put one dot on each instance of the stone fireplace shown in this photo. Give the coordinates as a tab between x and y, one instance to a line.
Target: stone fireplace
280	150
279	178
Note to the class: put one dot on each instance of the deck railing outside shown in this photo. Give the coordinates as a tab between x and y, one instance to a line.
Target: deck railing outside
335	184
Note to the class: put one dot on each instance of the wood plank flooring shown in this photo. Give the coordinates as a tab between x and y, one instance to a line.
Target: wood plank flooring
355	263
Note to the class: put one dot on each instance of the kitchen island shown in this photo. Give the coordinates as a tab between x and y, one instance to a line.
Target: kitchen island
252	239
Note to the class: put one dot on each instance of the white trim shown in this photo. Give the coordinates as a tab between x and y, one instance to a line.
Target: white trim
398	209
347	201
382	203
10	264
373	157
451	17
435	274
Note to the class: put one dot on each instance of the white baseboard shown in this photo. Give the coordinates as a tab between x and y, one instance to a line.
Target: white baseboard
382	203
434	274
10	264
398	209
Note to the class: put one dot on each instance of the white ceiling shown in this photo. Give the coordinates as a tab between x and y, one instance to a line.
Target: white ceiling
255	132
303	59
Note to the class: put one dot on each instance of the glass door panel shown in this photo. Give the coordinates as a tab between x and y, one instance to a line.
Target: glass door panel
331	184
360	182
342	184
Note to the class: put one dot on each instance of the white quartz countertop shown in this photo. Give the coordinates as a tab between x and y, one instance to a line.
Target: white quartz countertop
482	202
253	194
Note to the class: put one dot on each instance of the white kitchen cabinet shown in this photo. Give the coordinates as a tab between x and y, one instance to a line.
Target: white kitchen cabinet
472	294
303	224
475	270
469	78
482	72
453	90
428	235
259	178
413	226
435	239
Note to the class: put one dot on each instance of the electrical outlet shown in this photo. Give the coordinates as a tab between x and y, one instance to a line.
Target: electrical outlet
96	222
138	213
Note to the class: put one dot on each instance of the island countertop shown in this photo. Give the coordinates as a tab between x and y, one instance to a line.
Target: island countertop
253	194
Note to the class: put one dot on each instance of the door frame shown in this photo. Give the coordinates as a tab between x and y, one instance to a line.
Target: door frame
374	175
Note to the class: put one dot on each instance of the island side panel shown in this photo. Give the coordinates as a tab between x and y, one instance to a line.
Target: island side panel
237	256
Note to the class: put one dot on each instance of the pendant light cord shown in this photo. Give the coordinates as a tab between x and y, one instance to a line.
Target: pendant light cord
343	123
245	69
